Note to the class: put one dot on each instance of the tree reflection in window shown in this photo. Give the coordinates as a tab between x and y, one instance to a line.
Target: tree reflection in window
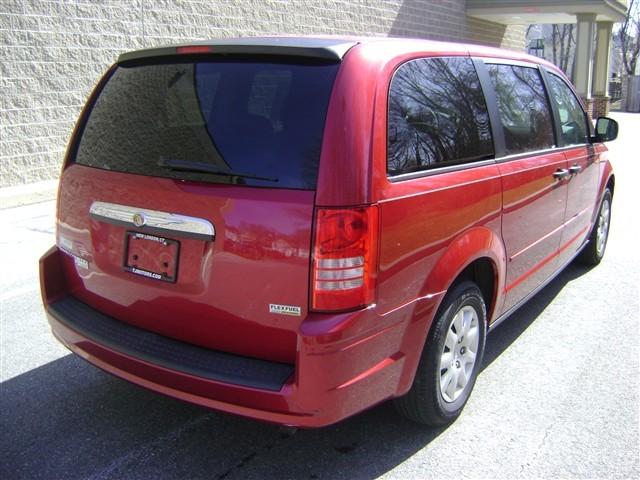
523	108
437	116
572	117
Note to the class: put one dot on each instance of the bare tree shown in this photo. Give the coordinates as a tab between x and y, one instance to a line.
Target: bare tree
560	38
629	35
563	42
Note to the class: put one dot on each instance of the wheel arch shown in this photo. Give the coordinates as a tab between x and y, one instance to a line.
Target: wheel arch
477	255
608	181
611	183
482	272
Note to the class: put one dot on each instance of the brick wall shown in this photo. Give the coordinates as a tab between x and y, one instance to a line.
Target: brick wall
53	52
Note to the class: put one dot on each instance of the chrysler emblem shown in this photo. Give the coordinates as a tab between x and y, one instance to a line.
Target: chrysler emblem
139	220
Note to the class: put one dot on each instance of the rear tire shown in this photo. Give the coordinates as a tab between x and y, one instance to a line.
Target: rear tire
593	251
450	361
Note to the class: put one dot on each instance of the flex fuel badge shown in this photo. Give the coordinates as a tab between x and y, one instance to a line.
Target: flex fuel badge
284	309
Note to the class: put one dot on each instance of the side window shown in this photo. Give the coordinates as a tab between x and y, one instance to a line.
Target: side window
524	110
437	116
572	117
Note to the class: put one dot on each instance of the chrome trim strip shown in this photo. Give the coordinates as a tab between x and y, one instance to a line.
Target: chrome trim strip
546	151
427	172
532	153
153	221
464	166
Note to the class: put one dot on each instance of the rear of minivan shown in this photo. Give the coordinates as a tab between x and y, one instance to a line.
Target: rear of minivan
215	238
297	229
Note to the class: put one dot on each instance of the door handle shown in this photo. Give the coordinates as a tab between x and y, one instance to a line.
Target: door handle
575	169
561	173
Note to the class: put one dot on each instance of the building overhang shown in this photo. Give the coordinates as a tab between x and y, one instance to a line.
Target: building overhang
516	12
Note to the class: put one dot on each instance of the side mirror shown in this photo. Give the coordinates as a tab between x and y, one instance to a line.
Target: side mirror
606	129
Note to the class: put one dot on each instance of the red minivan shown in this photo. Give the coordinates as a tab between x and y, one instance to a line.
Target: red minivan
296	229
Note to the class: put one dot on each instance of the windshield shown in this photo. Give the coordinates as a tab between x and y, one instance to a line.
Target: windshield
237	122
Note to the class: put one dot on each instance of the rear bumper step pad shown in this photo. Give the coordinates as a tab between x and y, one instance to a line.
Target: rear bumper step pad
169	353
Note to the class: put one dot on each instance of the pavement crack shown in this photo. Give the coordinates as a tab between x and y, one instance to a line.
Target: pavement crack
545	436
251	456
145	451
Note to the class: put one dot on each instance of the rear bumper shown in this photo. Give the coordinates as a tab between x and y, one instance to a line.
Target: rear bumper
343	366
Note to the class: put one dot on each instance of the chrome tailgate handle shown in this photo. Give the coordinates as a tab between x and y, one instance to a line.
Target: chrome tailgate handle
153	221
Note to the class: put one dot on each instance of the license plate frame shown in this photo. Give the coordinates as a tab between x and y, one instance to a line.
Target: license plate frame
151	256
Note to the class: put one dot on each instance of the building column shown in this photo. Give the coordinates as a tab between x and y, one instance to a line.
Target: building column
583	68
601	72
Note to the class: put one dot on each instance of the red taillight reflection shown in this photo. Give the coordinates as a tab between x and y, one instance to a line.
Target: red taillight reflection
344	258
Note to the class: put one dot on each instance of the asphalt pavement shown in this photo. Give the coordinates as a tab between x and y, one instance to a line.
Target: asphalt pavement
558	395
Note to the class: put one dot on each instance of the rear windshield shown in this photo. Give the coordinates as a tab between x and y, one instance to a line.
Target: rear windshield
238	122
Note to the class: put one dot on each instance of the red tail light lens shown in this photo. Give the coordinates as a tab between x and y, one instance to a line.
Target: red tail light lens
344	258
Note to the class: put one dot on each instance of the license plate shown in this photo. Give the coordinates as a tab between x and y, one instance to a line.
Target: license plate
152	257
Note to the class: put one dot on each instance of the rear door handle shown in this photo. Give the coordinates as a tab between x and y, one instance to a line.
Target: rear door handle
575	169
561	173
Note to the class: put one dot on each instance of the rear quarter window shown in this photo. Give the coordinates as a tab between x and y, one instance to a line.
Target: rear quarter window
437	116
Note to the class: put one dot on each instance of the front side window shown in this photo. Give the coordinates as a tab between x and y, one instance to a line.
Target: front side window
572	118
523	107
437	116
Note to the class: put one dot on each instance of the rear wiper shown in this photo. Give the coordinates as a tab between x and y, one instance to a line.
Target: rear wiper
200	167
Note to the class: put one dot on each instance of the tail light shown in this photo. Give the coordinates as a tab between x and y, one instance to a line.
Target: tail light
344	269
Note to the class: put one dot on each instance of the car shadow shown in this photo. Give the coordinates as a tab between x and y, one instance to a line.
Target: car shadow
67	419
508	332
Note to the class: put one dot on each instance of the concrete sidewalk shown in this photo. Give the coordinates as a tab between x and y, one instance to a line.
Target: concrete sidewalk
20	195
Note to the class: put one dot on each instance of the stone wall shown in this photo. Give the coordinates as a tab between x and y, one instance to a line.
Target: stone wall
53	52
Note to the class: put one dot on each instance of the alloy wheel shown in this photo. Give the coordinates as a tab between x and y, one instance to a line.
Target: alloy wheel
602	231
459	353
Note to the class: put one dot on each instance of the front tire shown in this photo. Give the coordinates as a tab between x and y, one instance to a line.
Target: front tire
451	359
593	251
